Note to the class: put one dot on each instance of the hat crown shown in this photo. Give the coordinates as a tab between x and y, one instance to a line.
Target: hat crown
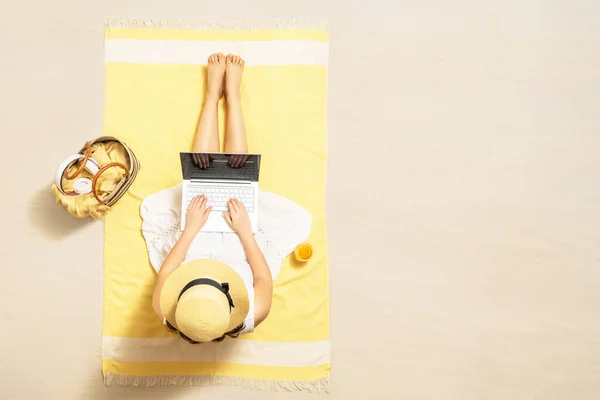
194	316
203	313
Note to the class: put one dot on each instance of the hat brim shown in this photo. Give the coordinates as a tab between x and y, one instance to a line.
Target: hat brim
210	269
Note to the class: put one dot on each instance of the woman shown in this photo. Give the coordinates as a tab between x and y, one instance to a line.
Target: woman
205	300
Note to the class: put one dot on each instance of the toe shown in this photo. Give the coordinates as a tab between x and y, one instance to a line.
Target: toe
229	57
242	62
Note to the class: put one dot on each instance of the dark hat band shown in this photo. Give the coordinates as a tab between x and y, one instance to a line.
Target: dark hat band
222	287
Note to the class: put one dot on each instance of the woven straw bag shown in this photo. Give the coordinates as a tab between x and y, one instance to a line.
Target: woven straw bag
101	204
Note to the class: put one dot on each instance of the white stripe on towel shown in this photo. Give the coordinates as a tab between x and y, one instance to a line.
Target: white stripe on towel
292	354
268	52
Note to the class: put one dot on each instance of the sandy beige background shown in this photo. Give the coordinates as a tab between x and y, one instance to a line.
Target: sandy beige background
463	199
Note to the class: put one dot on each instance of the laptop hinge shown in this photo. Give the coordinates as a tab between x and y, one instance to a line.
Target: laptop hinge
220	181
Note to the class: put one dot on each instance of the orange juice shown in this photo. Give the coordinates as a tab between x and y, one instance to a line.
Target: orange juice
303	252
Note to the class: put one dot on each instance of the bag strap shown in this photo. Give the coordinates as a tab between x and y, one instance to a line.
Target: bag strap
100	172
131	168
88	152
125	183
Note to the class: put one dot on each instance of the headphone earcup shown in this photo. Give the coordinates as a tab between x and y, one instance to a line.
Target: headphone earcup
92	166
82	186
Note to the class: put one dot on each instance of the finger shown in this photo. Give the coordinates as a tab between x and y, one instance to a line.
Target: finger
207	211
238	205
203	202
195	158
232	205
240	161
231	161
199	201
228	219
244	159
241	205
193	203
205	160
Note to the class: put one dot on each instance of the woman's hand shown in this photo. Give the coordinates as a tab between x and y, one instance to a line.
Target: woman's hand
238	218
197	214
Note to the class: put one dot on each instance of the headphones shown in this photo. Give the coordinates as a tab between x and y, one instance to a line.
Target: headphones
84	185
81	185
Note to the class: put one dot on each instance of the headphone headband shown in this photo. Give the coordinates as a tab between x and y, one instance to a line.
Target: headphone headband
90	165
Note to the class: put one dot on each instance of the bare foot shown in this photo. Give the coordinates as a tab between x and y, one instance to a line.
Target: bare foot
214	76
233	77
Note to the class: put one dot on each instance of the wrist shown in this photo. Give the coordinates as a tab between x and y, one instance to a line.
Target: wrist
246	237
188	234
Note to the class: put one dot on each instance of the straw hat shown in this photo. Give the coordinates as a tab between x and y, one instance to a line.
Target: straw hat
204	299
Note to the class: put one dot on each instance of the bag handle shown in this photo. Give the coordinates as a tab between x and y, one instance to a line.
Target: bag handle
104	168
88	152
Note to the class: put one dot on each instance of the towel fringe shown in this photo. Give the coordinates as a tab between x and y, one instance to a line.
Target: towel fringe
289	23
316	386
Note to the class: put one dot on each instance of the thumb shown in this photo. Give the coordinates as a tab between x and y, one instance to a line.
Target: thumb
228	219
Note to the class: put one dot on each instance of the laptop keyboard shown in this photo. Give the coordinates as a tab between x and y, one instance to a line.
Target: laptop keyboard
218	196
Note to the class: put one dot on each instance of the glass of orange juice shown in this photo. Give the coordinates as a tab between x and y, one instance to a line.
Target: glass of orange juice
303	252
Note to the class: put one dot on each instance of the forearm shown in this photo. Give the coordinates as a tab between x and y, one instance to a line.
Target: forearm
177	253
256	259
173	260
263	281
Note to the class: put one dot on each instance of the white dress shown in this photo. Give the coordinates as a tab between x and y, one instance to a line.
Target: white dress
282	225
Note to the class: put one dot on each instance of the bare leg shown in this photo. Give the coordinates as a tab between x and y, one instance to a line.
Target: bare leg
235	132
207	134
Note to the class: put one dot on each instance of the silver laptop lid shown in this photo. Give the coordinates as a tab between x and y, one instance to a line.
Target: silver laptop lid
220	166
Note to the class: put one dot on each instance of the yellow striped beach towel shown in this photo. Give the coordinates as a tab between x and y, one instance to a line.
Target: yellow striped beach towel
154	80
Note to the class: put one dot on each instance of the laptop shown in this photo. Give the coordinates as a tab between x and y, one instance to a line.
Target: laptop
220	176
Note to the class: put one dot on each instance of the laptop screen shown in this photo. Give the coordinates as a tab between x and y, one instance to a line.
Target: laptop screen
220	166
